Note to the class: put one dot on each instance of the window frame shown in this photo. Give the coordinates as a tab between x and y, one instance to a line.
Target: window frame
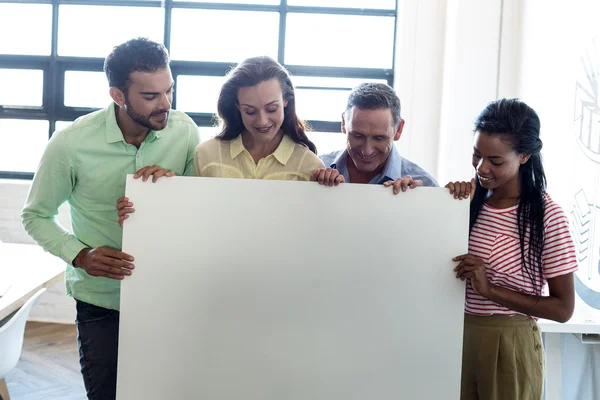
54	66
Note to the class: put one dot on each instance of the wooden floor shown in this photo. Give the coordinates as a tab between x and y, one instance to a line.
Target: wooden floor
49	365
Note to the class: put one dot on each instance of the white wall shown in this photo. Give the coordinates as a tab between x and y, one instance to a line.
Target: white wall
470	80
446	72
540	62
553	37
509	73
418	78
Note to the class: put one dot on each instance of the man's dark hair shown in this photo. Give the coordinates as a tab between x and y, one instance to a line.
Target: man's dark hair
374	96
140	54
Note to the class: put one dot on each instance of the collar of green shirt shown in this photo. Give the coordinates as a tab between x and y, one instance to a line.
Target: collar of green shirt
113	132
282	153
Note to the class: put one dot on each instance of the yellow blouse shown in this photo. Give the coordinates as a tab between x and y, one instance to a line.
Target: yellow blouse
291	161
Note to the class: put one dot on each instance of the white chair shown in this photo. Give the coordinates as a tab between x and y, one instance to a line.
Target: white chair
11	336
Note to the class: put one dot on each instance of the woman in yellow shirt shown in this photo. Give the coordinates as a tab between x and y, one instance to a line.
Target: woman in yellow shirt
261	136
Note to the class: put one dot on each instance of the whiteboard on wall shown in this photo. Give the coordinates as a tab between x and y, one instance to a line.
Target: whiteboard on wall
278	290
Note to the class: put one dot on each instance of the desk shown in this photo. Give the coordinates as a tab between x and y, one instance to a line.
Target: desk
29	268
584	322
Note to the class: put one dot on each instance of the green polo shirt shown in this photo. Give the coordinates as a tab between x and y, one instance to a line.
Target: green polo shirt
86	165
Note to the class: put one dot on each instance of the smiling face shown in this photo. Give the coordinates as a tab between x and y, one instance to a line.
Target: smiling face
262	108
371	135
496	162
148	98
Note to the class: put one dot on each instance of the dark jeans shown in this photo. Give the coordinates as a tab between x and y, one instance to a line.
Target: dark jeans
98	339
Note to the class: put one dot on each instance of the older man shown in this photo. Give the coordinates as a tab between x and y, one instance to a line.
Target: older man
372	124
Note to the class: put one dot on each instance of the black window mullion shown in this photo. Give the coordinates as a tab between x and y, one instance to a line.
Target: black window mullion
48	99
203	68
342	11
225	6
167	39
59	99
202	119
340	72
125	3
16	175
325	126
23	62
167	34
392	77
51	84
22	113
282	28
28	1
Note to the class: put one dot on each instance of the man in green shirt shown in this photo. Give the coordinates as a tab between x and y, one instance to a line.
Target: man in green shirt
86	165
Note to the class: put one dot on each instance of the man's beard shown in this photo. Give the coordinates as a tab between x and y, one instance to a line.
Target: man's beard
144	120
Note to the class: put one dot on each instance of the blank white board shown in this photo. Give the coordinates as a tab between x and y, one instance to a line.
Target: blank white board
278	290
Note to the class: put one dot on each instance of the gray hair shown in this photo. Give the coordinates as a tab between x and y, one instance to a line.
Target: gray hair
374	96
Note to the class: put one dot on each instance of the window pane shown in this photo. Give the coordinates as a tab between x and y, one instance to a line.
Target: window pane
60	125
327	142
82	30
241	34
323	98
86	89
261	2
321	104
375	4
208	132
22	87
344	45
198	93
18	36
22	143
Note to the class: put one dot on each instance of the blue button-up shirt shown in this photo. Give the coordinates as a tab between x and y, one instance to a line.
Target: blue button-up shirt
396	167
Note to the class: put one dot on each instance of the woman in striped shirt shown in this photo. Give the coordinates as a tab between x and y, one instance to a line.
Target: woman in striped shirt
519	241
